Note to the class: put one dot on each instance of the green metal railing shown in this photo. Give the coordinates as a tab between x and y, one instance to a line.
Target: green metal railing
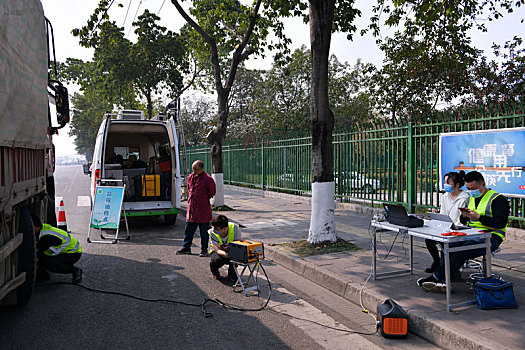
384	161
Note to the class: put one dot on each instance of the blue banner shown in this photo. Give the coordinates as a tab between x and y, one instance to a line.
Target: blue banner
107	207
499	155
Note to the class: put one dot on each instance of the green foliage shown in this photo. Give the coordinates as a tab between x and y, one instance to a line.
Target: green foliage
197	119
416	74
277	101
88	111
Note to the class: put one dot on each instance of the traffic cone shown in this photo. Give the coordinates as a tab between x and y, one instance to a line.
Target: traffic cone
61	221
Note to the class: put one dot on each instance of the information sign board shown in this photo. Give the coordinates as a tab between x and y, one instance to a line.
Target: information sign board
107	207
499	155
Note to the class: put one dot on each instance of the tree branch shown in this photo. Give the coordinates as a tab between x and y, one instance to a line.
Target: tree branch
211	41
239	53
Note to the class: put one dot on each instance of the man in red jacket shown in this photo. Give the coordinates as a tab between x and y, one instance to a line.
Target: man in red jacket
201	188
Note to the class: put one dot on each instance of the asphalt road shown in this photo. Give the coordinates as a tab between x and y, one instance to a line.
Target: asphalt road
64	316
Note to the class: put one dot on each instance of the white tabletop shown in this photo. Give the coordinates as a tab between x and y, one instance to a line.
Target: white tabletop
433	233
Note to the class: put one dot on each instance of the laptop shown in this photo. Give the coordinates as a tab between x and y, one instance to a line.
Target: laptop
396	214
444	221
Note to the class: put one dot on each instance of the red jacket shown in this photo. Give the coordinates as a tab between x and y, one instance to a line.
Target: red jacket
200	189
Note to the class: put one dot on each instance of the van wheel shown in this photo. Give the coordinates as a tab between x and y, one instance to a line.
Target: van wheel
26	257
170	219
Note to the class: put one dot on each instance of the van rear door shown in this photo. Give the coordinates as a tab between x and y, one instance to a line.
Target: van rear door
97	167
175	167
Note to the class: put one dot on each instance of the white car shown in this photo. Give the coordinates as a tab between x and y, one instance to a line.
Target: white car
354	180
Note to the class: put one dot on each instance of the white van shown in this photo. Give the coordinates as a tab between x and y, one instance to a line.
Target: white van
144	154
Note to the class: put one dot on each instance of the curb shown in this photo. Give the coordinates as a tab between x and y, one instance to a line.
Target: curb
424	326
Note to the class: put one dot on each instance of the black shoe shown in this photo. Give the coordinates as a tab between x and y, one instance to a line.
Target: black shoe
184	251
77	275
433	267
204	254
431	284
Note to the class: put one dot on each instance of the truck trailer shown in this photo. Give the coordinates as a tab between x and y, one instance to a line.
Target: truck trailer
32	108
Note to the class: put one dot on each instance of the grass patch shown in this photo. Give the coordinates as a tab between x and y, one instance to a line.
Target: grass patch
222	208
302	247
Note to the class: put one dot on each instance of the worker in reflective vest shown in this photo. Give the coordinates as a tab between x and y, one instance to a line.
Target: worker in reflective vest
488	211
221	234
57	251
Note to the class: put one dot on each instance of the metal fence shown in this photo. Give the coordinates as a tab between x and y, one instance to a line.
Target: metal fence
384	161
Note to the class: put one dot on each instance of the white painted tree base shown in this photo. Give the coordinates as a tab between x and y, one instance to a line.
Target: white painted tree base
322	220
218	200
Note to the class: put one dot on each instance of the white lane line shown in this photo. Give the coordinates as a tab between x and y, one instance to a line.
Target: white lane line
57	201
83	201
262	224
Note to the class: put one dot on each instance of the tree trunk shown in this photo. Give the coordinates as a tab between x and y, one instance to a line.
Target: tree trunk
215	139
322	223
150	105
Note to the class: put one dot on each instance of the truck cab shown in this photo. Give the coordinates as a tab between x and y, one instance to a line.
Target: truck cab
144	156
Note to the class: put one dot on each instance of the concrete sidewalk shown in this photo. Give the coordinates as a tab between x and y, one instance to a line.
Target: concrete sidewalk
277	218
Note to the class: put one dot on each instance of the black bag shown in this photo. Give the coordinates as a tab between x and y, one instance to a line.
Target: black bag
408	221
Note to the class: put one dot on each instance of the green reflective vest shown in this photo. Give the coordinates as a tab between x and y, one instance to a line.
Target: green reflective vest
69	243
484	208
231	235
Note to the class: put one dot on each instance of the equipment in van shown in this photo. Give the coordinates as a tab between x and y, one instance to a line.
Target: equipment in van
396	214
444	221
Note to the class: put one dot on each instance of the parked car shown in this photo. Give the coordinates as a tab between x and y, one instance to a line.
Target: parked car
354	180
293	181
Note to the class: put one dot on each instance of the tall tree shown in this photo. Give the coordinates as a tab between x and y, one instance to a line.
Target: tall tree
225	33
154	64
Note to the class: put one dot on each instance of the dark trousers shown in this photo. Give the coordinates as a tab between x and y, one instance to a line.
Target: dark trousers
432	247
457	259
217	262
61	263
191	227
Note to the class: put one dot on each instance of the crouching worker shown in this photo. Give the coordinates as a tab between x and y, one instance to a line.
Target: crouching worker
221	234
58	251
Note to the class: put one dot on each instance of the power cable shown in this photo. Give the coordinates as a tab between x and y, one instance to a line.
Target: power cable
131	27
125	17
161	7
202	305
101	17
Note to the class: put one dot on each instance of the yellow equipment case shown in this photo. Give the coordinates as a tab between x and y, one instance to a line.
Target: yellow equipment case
246	251
151	186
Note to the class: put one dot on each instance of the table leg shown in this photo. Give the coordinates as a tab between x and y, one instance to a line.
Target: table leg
374	253
447	273
488	255
411	253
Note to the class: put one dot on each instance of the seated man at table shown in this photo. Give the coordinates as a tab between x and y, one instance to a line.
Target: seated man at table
487	211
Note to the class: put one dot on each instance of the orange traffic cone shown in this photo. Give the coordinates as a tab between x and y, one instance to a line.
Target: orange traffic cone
61	222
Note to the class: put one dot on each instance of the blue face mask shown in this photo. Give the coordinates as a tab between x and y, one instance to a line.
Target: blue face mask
448	188
474	193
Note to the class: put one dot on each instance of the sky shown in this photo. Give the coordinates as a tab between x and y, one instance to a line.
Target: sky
65	15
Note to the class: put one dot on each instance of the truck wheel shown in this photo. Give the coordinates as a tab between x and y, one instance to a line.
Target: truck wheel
170	219
26	257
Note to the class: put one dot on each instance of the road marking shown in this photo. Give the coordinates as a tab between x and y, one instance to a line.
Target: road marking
57	201
83	201
266	224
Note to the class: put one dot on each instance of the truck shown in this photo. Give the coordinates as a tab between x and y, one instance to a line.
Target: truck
32	108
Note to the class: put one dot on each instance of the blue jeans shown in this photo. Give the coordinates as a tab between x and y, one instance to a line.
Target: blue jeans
457	259
189	231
